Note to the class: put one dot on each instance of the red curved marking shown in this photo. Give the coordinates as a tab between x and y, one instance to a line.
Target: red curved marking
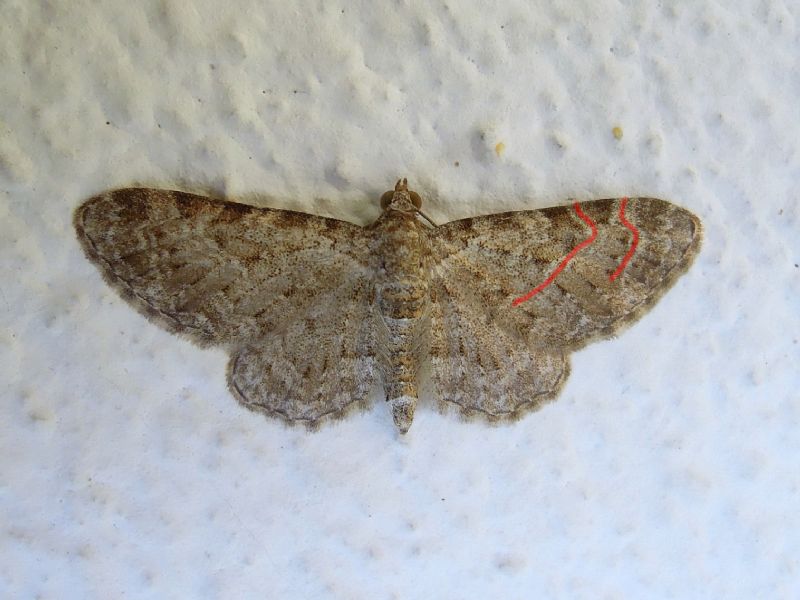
635	242
567	258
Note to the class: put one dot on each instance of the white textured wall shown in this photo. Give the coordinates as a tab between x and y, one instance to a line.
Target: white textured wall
669	466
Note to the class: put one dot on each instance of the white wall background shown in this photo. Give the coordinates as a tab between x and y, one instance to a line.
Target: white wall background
669	467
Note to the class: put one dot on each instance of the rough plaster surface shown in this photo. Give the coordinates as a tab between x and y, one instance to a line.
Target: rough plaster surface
668	467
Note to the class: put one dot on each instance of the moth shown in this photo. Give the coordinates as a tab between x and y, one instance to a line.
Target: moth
315	311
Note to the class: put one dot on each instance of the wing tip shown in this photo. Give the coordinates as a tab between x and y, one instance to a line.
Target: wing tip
80	219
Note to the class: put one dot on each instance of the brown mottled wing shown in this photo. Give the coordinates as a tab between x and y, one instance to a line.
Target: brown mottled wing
315	368
217	271
481	368
498	258
481	265
263	282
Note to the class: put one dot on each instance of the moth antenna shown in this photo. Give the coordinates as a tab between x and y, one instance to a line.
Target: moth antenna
427	218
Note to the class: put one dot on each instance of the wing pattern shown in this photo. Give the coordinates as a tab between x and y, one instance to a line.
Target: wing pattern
492	357
503	256
292	295
481	369
217	271
268	284
315	368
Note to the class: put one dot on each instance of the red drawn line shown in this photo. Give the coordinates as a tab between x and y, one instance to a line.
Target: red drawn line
635	242
569	257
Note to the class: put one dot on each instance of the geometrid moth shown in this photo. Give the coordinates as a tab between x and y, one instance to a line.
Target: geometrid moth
314	311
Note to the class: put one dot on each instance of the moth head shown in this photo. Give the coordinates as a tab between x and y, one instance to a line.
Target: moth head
401	198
